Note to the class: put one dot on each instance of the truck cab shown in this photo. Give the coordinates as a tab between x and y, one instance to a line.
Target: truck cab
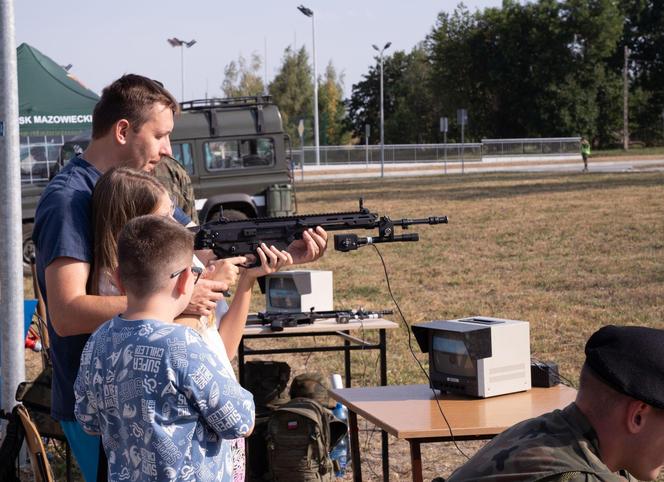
237	155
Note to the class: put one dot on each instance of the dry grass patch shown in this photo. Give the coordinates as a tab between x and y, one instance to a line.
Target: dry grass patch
569	253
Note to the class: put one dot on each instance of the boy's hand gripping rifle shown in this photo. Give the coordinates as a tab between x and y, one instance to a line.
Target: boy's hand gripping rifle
242	237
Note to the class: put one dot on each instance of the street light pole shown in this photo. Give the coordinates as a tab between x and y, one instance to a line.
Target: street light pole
310	13
176	42
382	111
12	355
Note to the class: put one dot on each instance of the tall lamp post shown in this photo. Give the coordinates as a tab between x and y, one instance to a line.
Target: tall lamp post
382	112
310	13
176	42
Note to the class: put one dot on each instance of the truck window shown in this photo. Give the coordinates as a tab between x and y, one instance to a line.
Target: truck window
37	162
182	154
221	155
237	154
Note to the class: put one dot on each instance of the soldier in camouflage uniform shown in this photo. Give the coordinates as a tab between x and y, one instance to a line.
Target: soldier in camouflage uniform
614	428
172	175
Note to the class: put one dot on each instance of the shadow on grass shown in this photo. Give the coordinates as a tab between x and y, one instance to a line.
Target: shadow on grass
487	186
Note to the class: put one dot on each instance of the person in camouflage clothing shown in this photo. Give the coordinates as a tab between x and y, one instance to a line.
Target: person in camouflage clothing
614	428
172	175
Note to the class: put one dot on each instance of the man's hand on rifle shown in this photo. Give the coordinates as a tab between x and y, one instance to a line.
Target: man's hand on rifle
311	247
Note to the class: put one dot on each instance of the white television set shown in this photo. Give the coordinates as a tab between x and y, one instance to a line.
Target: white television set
299	291
477	356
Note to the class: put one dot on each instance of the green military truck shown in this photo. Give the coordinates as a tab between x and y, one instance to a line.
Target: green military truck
237	155
235	151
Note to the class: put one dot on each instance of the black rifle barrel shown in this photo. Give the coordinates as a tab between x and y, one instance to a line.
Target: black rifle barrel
404	223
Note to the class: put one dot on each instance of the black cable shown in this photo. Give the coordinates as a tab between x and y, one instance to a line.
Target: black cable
366	448
412	352
306	361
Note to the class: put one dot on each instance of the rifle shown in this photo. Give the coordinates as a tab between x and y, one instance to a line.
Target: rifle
241	237
278	321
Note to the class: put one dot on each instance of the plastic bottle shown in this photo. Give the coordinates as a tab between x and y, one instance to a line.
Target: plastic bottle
340	451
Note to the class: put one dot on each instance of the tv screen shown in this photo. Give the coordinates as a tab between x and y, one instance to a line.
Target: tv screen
283	294
450	355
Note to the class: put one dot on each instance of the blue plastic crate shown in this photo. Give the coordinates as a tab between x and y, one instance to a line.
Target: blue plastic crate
28	310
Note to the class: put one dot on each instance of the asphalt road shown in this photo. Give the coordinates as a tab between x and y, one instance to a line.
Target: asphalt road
350	171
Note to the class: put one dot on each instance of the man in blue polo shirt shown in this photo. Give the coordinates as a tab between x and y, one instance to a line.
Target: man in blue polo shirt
131	125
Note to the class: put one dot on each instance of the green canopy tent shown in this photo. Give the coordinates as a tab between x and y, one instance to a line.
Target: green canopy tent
53	107
51	101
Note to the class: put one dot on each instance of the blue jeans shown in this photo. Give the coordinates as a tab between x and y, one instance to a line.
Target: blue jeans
85	447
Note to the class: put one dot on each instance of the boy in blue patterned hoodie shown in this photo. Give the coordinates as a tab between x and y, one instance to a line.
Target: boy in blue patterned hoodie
161	400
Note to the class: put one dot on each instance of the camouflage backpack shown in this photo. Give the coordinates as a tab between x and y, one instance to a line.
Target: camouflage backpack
301	433
298	442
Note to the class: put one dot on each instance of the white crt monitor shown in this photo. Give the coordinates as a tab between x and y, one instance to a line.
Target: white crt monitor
299	291
477	356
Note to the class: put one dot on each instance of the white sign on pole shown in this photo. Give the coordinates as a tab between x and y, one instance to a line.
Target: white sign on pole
300	128
443	124
462	117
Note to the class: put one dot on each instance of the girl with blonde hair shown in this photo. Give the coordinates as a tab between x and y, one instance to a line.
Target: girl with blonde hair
122	194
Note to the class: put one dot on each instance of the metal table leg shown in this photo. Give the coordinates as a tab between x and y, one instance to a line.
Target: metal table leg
354	446
347	372
416	460
383	381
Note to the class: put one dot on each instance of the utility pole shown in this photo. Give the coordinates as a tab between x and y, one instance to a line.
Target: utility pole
626	101
382	110
176	42
307	12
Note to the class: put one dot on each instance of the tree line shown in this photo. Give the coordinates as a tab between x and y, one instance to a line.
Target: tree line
540	69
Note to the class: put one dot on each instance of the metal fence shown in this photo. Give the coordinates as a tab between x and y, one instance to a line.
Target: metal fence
469	152
531	147
394	153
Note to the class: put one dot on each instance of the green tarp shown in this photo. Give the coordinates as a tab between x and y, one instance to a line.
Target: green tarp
51	101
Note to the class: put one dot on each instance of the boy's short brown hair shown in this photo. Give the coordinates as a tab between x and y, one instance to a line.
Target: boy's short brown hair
150	248
130	97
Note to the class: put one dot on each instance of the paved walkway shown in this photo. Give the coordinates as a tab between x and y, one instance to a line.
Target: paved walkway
355	171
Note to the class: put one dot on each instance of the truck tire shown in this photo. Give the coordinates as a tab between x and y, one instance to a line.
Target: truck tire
28	248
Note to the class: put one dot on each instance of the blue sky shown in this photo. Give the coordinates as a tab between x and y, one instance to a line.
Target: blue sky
103	40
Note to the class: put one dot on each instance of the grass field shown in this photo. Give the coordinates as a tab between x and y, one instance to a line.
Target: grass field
634	151
568	253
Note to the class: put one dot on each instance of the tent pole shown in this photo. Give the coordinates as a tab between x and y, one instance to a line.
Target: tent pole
12	352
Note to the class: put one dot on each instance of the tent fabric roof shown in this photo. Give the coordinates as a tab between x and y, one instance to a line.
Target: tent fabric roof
51	101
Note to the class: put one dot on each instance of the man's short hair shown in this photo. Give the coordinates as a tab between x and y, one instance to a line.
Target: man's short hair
150	248
130	97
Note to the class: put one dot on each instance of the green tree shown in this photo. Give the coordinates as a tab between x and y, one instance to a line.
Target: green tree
332	117
527	70
292	90
643	34
407	99
242	78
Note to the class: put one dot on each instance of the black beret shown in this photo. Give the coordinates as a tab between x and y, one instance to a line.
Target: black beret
630	359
